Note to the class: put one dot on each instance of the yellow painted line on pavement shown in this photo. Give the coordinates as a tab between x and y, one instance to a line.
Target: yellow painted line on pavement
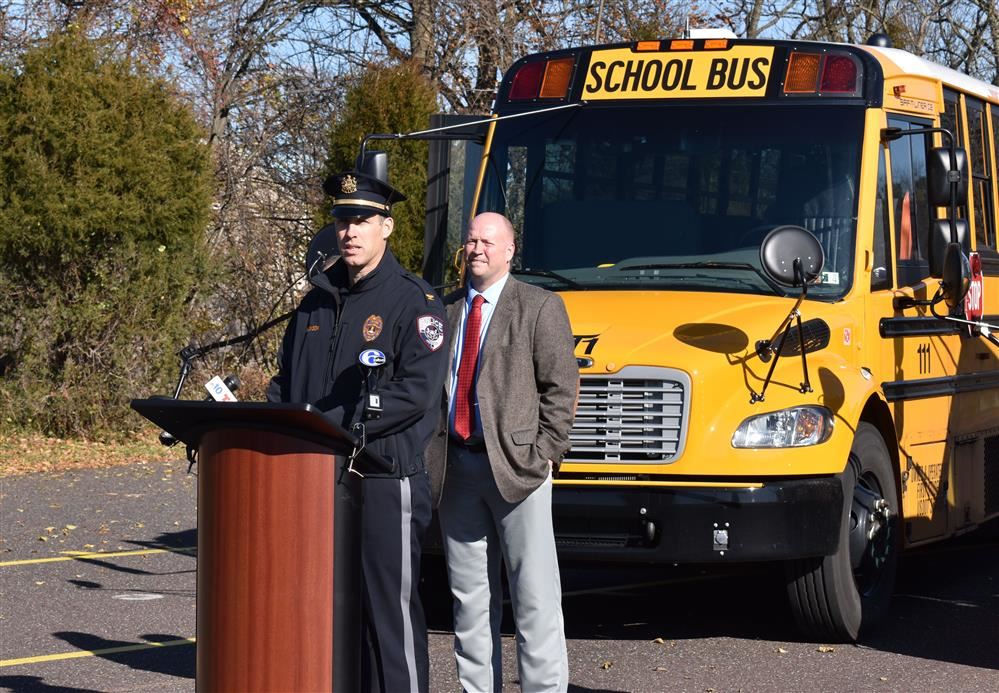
77	555
94	653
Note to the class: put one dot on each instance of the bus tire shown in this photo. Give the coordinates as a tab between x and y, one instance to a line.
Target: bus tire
837	597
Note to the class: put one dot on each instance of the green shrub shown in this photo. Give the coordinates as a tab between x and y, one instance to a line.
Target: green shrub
104	196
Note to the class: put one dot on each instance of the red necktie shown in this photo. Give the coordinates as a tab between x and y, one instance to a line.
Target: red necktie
464	415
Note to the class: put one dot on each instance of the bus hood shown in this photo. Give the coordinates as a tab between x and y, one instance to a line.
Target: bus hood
680	330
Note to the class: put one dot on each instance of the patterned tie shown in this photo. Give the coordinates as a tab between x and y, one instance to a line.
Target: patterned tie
463	412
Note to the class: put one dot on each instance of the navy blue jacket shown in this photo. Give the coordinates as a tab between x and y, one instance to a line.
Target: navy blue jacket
389	310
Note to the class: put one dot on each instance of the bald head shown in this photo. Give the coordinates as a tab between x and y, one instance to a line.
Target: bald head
489	248
496	221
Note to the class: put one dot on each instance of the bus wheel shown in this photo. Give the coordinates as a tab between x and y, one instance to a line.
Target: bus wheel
835	597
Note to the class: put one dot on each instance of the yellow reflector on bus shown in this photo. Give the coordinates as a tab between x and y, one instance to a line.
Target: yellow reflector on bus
802	73
556	82
681	45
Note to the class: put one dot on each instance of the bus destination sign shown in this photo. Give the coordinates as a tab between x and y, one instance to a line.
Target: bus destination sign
620	73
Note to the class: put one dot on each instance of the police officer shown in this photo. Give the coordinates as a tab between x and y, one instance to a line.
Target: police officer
367	346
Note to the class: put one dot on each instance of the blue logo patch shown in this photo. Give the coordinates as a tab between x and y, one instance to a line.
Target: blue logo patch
371	357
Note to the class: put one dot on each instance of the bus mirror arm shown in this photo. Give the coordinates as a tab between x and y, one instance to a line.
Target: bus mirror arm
983	329
954	285
458	131
765	348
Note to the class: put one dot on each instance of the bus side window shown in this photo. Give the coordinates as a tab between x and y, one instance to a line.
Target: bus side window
981	177
881	275
912	217
990	252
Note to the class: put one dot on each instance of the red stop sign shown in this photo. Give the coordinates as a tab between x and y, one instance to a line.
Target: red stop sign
974	301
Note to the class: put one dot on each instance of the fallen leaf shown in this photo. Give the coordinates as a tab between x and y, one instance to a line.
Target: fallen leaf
825	648
71	527
882	678
39	582
660	669
606	665
43	538
50	529
659	641
782	650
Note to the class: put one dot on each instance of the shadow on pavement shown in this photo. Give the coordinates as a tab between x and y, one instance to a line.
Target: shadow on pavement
946	603
35	684
177	660
110	565
184	539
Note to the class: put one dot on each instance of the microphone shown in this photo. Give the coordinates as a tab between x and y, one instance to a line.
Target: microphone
221	390
320	258
230	384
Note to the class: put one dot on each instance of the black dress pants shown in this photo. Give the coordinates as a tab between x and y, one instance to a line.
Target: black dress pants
395	516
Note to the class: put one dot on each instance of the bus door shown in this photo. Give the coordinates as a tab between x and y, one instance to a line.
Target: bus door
920	353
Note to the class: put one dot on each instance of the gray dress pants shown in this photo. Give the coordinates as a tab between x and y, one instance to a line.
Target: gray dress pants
480	529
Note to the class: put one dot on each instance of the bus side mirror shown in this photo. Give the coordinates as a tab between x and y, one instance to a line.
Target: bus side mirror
940	241
956	276
373	163
791	256
939	176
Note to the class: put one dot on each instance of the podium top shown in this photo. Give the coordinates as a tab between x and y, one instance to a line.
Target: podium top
189	420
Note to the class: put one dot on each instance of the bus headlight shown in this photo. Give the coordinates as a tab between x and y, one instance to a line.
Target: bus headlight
787	428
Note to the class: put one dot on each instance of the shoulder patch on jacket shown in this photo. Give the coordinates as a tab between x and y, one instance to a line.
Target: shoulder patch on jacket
431	331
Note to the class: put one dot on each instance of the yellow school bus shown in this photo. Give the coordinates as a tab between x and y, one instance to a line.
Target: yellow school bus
778	259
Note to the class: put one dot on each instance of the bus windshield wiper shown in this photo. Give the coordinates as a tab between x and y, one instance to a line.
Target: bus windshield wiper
711	265
527	271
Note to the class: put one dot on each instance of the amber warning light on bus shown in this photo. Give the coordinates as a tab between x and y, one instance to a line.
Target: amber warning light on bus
828	73
548	79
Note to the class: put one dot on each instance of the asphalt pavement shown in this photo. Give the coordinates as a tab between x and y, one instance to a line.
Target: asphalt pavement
97	593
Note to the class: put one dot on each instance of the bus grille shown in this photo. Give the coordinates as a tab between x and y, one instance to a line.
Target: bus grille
637	415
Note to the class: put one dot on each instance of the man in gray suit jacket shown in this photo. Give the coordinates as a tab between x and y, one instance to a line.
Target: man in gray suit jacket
509	407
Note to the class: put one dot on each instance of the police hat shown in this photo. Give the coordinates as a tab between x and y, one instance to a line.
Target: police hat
357	194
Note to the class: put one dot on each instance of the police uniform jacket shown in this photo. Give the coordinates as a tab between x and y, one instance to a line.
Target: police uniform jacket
389	310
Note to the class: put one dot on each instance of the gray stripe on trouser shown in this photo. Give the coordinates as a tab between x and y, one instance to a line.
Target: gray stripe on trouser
406	580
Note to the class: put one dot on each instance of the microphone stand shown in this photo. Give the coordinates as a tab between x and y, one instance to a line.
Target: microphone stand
191	352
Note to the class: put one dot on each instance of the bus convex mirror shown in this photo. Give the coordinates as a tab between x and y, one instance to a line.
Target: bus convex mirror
373	163
791	256
939	176
940	241
956	279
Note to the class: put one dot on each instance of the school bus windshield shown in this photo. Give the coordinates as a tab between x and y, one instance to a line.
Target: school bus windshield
676	197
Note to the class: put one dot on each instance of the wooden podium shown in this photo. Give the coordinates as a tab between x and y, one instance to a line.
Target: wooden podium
278	607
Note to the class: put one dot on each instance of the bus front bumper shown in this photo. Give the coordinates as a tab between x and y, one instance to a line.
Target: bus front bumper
783	519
